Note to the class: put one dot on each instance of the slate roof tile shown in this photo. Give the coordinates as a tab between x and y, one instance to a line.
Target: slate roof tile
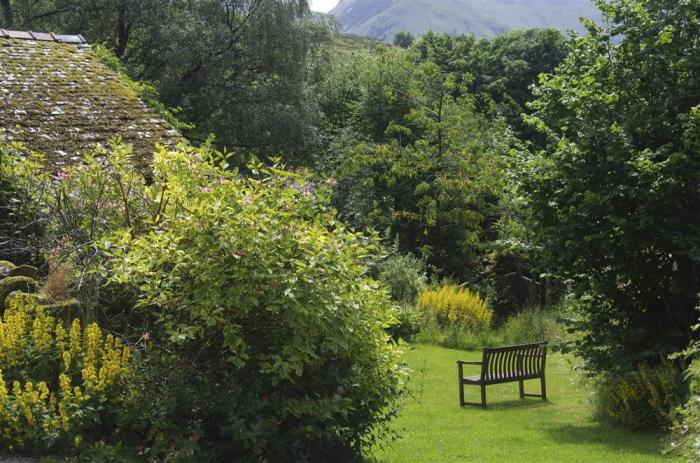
58	99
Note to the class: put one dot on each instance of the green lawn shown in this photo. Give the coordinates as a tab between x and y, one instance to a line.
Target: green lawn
434	428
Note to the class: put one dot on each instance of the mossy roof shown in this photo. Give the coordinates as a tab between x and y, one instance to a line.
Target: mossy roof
58	99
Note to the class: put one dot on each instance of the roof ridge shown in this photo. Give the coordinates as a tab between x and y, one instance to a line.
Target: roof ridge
42	36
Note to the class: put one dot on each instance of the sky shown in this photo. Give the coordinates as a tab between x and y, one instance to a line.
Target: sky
323	6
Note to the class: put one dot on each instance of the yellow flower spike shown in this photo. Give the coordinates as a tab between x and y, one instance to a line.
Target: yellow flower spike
42	326
65	415
43	391
75	338
60	336
89	377
65	386
66	361
3	389
93	336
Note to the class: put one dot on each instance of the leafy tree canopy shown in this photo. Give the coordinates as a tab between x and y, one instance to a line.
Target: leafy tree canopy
615	194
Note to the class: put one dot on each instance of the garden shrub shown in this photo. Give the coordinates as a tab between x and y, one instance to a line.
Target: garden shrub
270	337
404	275
644	398
408	323
455	336
531	325
685	439
59	387
451	304
21	220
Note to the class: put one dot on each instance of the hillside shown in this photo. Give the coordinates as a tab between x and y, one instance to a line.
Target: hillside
485	18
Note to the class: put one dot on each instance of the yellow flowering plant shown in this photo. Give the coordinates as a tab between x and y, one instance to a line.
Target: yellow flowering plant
58	387
452	304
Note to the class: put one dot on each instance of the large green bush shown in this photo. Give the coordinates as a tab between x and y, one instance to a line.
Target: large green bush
404	275
643	399
259	333
273	337
614	195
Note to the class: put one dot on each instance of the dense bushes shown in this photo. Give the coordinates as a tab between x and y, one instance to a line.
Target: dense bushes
642	399
59	387
404	275
614	195
264	303
260	334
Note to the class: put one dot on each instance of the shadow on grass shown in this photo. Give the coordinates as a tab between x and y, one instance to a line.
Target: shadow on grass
603	434
507	405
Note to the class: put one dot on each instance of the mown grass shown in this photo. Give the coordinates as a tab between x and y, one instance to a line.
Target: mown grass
434	428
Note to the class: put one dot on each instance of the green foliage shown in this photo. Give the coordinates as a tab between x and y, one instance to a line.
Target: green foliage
59	388
453	305
419	149
614	195
404	39
435	179
404	275
146	91
454	336
236	68
253	295
408	324
272	335
502	70
76	209
643	399
531	325
685	437
20	215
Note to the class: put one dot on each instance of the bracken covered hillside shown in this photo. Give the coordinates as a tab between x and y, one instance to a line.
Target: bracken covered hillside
484	18
58	99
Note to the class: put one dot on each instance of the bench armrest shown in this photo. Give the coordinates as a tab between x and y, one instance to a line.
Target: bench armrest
462	362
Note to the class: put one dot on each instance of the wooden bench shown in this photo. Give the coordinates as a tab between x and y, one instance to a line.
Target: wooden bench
505	365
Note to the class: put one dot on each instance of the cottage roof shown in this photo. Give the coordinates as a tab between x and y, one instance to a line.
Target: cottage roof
58	98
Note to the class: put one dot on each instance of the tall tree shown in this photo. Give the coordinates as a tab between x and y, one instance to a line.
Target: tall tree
433	181
6	16
236	68
616	192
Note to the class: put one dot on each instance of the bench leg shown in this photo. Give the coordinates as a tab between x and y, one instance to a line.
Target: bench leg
522	389
483	395
543	387
461	385
543	384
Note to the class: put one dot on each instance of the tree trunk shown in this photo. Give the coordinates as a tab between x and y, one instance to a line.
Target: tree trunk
123	28
6	10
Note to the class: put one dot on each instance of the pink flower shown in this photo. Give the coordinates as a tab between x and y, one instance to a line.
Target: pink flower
62	175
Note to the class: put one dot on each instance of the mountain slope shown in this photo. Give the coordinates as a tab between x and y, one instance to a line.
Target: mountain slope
485	18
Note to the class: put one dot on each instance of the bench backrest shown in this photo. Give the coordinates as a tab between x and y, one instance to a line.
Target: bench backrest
512	362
